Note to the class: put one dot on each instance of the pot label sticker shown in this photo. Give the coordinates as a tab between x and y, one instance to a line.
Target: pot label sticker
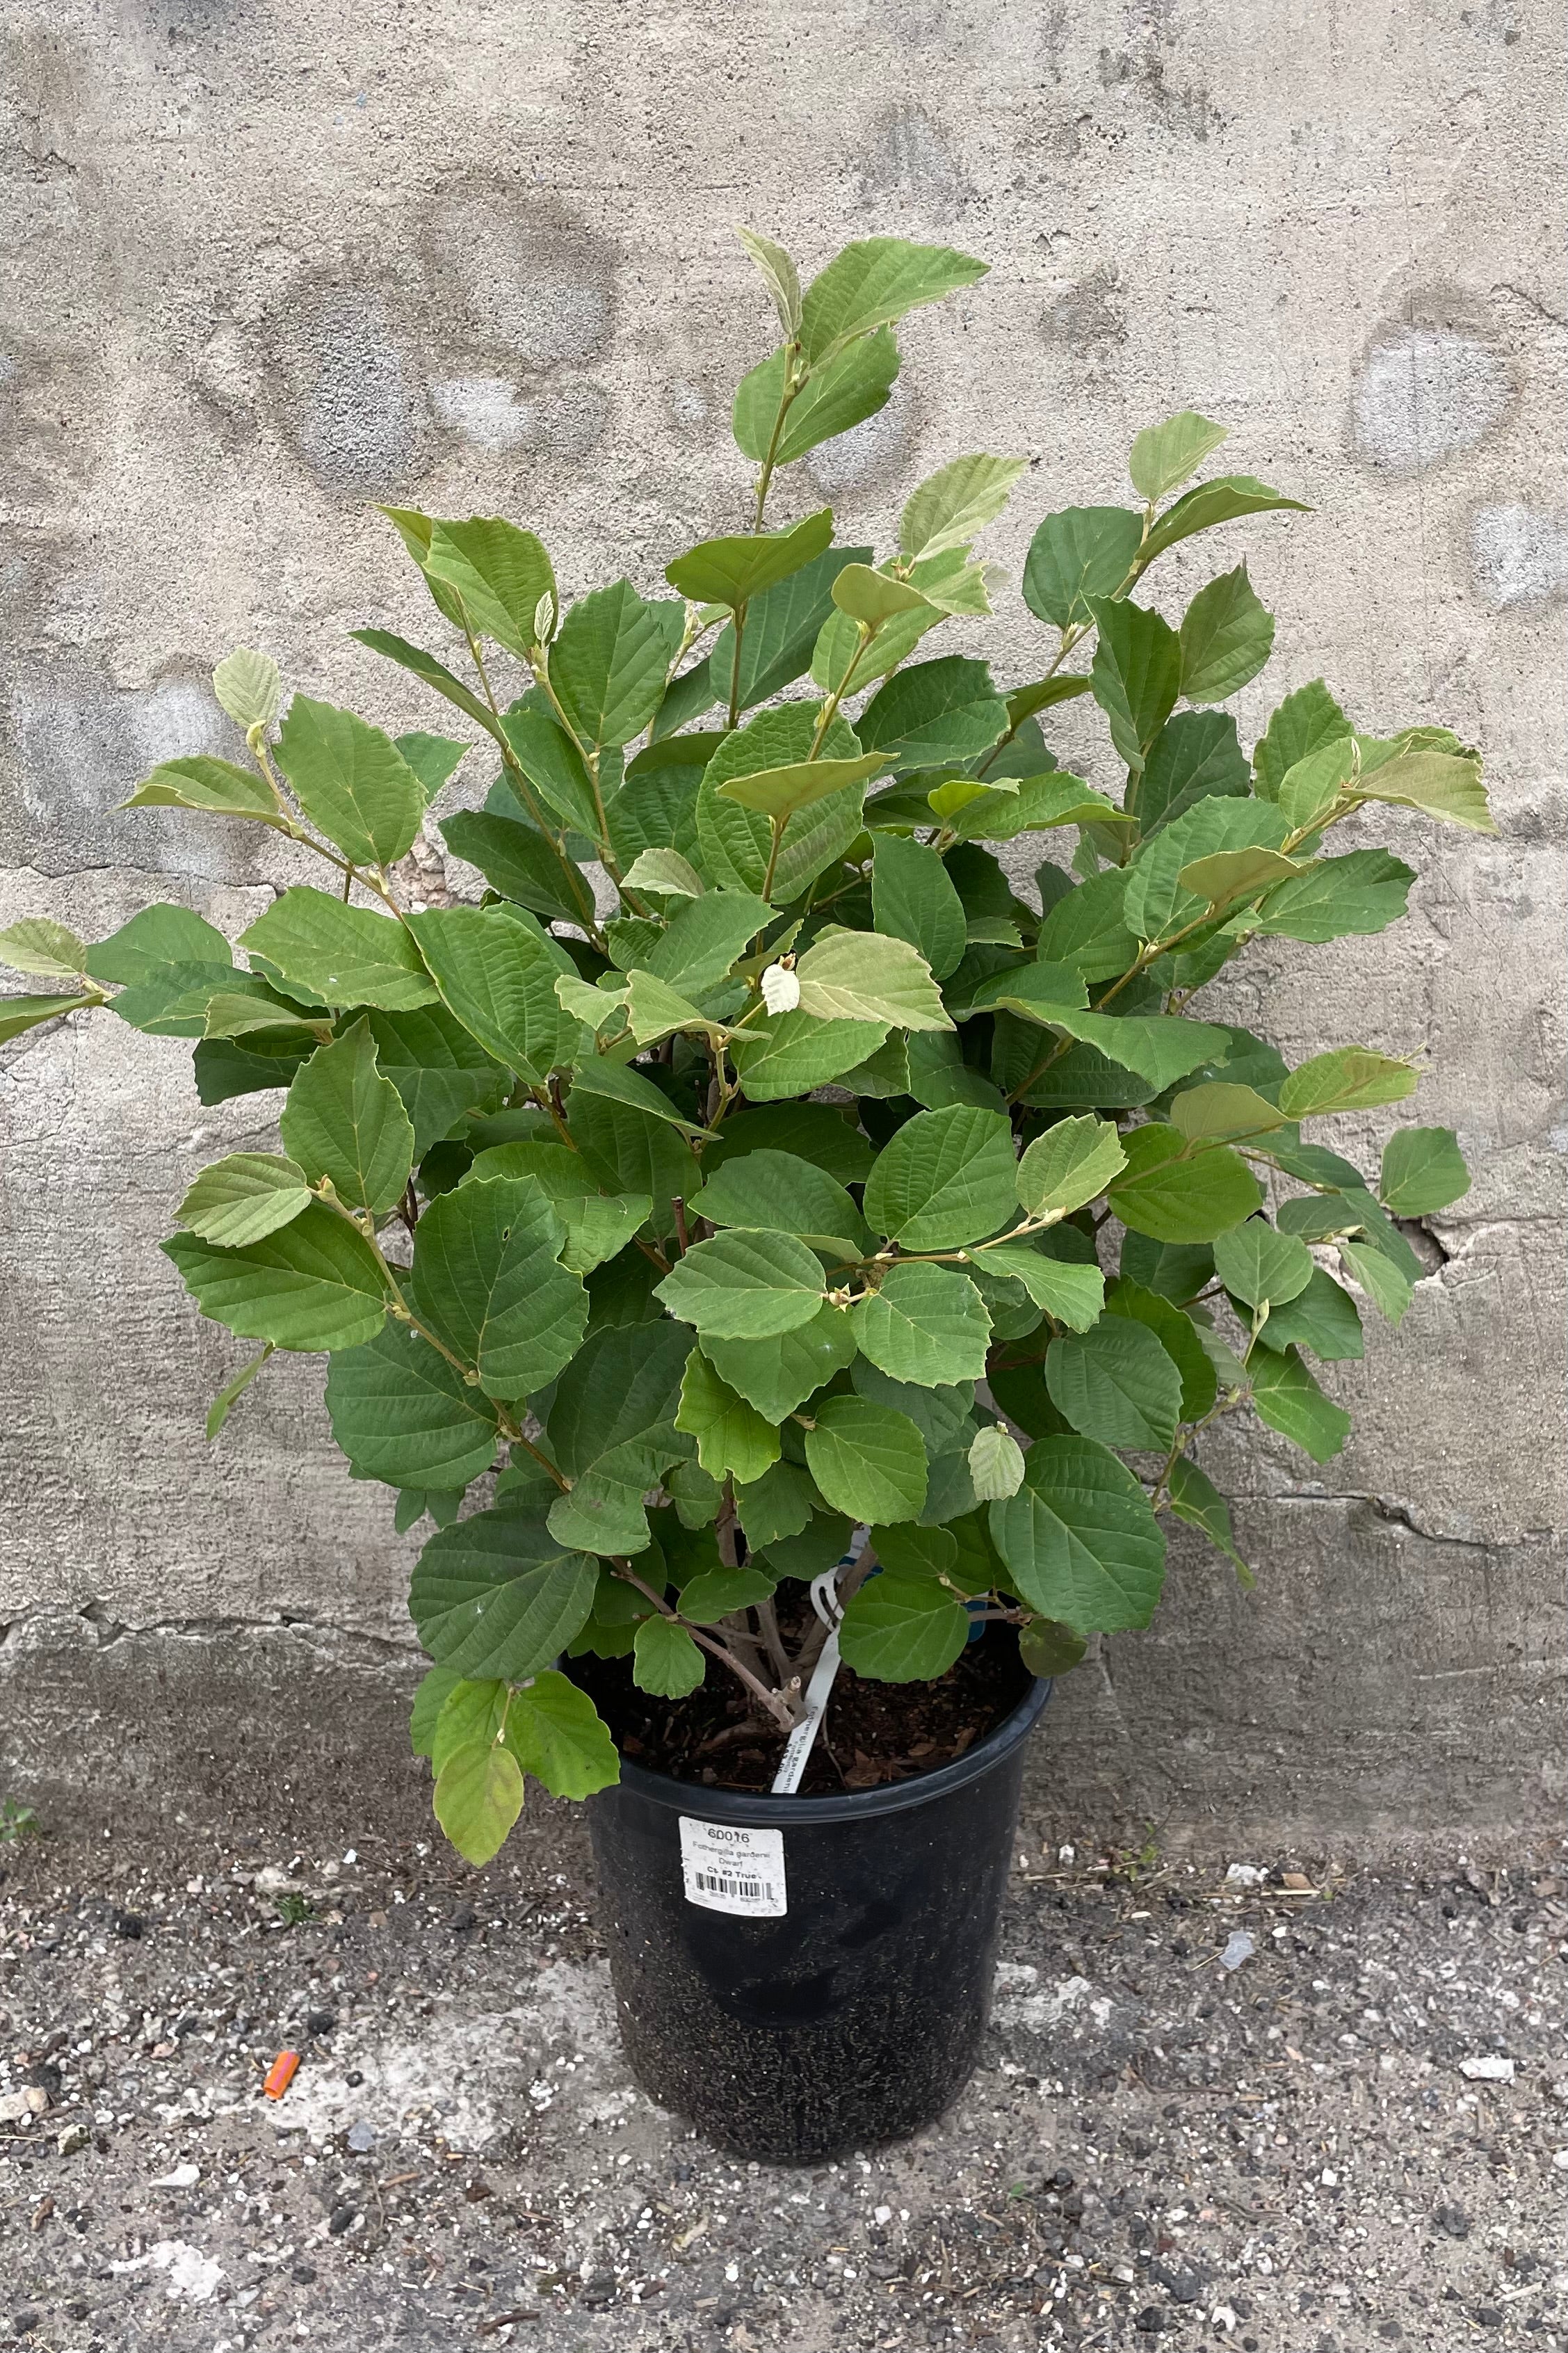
727	1868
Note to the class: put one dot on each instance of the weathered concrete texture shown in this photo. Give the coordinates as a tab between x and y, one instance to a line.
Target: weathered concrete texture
262	268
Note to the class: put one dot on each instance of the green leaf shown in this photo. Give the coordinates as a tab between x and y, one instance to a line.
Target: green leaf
1047	1647
1257	1263
732	1436
247	688
778	1505
1135	677
733	571
515	860
1072	1294
939	1076
615	1082
1196	757
878	622
1086	928
780	792
495	1595
1035	805
439	1069
912	1551
912	899
1322	1318
956	504
1218	1112
1158	902
939	710
1080	1539
552	765
1385	1285
344	1123
799	1052
716	1593
597	1224
1348	1078
1069	1166
609	664
39	945
667	1662
1445	785
1196	1499
1043	694
1232	875
902	1630
664	871
819	1133
499	572
239	1199
470	1713
486	1280
158	936
621	1390
479	1797
435	1687
351	780
1165	454
346	956
995	1463
314	1283
870	976
401	1413
778	274
925	1324
735	843
224	1403
779	1373
497	975
434	673
744	1286
1227	636
947	1178
781	629
1176	1334
1224	500
873	283
1116	1383
20	1014
943	1416
1176	1198
433	758
555	1733
836	396
1422	1171
1161	1048
217	785
1289	1401
1304	724
1334	898
866	1460
1078	555
774	1192
236	1016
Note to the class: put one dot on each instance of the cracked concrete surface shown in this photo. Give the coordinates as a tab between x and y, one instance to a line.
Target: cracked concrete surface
260	269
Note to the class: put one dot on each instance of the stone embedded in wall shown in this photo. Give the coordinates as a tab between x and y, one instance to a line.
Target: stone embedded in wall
1425	393
1520	555
1086	321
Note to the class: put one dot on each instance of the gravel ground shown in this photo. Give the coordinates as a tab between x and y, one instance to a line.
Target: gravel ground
1355	2134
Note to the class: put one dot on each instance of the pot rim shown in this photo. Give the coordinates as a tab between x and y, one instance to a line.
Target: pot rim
760	1807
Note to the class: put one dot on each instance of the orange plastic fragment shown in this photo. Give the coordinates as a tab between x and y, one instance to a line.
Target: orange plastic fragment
280	2074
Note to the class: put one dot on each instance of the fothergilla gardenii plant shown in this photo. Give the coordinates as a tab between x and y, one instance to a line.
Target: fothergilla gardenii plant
753	1158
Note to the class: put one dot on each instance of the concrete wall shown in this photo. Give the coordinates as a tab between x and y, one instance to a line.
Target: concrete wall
265	264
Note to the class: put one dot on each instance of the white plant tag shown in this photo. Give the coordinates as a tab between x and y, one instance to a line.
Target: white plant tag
727	1868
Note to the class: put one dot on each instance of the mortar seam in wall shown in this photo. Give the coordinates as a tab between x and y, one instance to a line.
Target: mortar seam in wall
111	1630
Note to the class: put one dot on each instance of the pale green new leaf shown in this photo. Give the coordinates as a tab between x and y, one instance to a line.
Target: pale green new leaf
870	976
1232	875
1220	1111
1348	1078
223	1405
239	1199
925	1324
780	792
873	283
479	1797
995	1463
956	504
217	785
866	1460
874	597
1071	1293
1165	454
1305	723
744	1285
345	955
501	573
555	1733
248	688
1445	785
1069	1166
665	870
1389	1290
733	571
778	274
39	945
733	1437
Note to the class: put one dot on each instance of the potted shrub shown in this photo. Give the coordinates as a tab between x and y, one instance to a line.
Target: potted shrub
786	1257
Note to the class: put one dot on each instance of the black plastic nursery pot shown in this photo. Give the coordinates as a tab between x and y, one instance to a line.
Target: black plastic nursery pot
802	1976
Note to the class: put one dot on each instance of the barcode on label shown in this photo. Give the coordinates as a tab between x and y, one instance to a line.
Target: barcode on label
728	1867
